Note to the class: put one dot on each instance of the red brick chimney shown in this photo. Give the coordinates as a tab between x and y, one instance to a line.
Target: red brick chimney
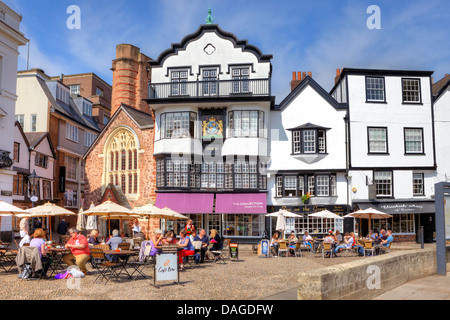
338	75
131	75
298	77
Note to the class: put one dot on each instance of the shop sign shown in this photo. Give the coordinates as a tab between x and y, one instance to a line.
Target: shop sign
166	268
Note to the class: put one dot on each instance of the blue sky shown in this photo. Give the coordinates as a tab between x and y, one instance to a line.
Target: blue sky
318	36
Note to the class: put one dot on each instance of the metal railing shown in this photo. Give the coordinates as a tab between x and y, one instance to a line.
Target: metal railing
209	89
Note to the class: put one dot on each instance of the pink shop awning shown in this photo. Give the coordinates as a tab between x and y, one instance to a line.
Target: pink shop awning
186	202
241	203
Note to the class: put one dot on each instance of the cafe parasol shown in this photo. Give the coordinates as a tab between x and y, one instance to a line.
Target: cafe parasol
47	210
325	214
370	214
108	209
152	211
7	209
281	218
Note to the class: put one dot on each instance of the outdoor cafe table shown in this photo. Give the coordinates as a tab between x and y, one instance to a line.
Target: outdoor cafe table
126	254
57	255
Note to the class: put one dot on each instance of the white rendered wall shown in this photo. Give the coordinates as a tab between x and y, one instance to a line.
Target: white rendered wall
442	127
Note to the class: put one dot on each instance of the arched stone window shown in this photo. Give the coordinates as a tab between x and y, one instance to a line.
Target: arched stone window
121	165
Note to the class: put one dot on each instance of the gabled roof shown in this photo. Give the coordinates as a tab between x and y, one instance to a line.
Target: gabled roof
441	86
142	119
308	125
222	34
35	138
17	124
308	81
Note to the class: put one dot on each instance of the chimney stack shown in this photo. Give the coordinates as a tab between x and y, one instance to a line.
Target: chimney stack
298	77
131	75
338	75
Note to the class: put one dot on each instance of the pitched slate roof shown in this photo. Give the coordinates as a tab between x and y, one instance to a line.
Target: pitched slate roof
70	111
35	138
440	86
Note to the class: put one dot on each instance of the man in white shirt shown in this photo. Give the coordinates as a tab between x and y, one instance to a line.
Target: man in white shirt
308	241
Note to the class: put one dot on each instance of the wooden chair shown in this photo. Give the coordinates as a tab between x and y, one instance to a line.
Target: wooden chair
104	247
106	270
368	247
65	239
124	246
383	249
298	249
226	249
327	248
283	249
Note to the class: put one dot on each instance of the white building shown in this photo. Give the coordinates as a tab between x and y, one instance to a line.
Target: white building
391	158
441	93
10	39
308	156
211	99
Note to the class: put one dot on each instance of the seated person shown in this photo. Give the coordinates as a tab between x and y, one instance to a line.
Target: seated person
169	238
39	242
348	243
217	243
330	238
113	243
186	246
205	242
385	243
94	238
338	236
155	241
292	241
274	243
308	241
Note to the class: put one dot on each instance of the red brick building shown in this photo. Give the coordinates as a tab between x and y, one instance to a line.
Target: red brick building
121	158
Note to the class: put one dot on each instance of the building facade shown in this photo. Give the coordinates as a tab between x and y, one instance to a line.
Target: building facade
308	157
96	90
391	146
211	97
10	39
46	106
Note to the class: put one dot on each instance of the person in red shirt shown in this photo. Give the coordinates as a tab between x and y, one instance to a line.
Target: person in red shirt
79	249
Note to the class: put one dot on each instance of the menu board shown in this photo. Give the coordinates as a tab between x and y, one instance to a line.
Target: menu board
166	268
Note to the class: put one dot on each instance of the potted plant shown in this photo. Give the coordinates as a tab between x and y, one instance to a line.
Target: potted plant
305	198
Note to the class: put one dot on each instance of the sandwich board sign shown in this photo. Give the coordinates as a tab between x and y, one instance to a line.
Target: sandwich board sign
264	249
166	268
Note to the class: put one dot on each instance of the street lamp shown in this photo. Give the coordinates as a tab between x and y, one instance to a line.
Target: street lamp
34	183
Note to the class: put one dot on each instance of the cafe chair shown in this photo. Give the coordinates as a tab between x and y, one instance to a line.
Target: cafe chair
105	269
283	249
226	248
29	263
298	249
368	247
327	248
383	249
124	246
139	266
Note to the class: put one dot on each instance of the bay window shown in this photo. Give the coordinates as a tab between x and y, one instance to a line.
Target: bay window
178	125
246	124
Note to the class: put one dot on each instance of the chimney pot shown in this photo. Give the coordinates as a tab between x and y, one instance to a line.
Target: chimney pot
309	74
299	76
304	75
294	76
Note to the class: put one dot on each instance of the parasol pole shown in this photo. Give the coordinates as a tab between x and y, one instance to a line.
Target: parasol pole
50	227
148	228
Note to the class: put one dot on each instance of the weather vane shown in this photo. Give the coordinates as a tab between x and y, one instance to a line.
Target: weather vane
209	18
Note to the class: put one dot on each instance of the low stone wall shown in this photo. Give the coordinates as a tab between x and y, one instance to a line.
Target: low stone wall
368	277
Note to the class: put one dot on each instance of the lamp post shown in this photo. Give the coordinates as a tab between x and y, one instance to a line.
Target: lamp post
34	182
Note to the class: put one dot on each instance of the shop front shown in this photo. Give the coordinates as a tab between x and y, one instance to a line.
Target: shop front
407	219
313	225
238	216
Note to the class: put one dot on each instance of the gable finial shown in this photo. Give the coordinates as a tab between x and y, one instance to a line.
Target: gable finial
209	19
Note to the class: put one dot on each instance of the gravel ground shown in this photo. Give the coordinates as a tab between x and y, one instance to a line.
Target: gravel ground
250	278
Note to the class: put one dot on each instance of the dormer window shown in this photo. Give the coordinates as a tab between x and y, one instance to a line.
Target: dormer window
62	94
309	139
87	109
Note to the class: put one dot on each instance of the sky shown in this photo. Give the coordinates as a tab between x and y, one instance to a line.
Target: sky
310	36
